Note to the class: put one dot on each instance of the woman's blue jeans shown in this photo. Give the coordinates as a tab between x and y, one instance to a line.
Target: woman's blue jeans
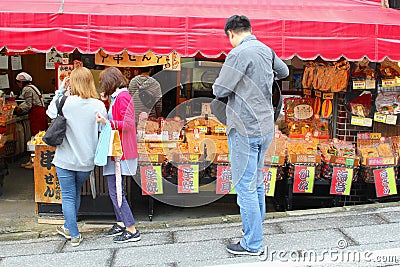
71	183
247	162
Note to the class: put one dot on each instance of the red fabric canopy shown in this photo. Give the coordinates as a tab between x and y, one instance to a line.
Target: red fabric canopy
308	28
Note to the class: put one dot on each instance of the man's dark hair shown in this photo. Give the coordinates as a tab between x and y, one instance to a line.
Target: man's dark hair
145	69
237	24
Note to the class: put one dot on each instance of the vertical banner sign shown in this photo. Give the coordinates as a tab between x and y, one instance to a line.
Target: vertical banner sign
303	179
385	183
224	180
188	178
62	72
47	186
269	175
341	181
151	179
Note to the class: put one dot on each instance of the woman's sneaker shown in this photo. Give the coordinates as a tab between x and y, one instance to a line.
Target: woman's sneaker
115	230
63	231
127	236
76	241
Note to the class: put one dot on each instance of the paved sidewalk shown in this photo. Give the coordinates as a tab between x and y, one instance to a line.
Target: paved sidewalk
367	235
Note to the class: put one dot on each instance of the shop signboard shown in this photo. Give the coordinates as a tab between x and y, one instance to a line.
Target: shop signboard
169	62
151	178
224	180
269	175
385	182
341	181
188	178
303	179
47	186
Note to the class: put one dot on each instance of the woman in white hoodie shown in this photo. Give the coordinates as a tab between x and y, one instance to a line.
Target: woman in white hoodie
74	158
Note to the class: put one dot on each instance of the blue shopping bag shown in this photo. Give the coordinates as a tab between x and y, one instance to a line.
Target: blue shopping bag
100	158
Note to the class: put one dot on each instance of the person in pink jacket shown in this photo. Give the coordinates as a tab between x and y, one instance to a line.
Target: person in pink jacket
121	115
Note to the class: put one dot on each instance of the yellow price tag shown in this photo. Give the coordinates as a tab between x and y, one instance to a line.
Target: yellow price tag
220	129
153	158
388	83
202	129
194	157
359	84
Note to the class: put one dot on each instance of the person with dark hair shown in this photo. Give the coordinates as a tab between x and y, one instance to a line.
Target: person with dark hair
246	78
121	116
33	105
149	101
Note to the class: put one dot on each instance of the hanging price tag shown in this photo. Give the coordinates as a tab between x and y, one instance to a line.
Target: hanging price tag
328	96
370	84
202	129
388	83
349	162
391	119
317	93
307	92
379	117
357	85
360	121
275	159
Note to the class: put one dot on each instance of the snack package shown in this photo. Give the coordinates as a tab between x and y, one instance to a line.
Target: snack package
388	103
361	105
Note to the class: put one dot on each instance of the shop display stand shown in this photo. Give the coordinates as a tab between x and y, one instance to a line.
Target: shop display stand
169	170
320	194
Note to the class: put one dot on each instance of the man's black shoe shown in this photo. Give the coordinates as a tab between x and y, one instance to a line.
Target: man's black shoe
237	249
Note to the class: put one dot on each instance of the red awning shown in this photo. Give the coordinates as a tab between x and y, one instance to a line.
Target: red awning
307	28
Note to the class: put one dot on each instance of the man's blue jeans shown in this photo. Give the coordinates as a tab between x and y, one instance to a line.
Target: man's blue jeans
71	183
247	162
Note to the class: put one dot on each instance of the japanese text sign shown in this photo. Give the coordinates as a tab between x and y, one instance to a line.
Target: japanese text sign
126	60
188	178
224	180
47	186
151	178
341	181
303	179
62	71
269	175
385	182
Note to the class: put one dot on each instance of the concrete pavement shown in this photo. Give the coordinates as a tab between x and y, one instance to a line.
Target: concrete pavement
366	235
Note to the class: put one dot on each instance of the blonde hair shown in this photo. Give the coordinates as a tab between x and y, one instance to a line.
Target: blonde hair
82	83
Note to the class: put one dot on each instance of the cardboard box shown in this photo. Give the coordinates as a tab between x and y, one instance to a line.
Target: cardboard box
305	158
275	160
186	157
353	162
154	158
223	158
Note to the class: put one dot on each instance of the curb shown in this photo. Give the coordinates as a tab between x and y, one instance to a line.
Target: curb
32	229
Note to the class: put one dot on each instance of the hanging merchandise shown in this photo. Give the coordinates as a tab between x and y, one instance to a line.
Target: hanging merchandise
359	106
317	105
326	76
387	102
363	76
326	109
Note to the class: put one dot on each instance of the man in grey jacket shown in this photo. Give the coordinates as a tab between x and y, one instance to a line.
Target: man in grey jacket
246	78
